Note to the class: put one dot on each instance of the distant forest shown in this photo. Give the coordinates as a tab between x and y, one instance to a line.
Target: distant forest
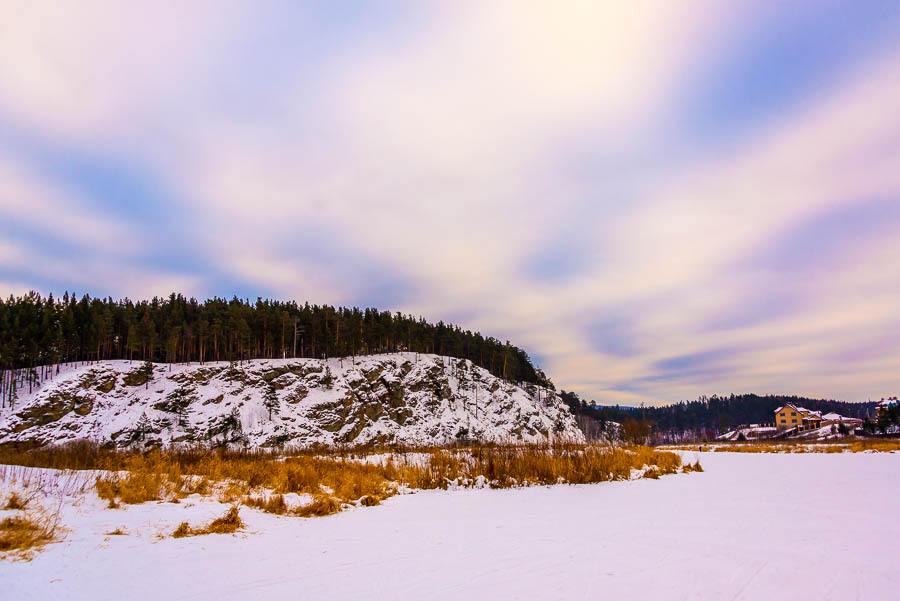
37	331
705	417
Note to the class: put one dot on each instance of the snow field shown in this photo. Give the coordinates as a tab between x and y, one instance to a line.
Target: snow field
751	526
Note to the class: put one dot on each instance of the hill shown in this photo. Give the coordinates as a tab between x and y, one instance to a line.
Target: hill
406	398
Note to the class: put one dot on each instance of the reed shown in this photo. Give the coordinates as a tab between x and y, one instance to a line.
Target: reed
338	477
26	532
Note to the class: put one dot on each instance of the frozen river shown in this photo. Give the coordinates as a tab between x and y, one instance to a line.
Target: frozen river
766	527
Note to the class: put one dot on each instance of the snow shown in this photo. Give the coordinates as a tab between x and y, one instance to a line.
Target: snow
836	417
407	398
821	433
751	433
751	527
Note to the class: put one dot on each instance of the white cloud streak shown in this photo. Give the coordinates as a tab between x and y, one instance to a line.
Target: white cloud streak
437	153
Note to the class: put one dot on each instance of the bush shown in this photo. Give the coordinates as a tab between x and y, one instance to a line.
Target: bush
27	532
227	524
322	505
274	504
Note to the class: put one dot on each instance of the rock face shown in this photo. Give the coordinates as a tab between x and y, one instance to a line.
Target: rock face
398	398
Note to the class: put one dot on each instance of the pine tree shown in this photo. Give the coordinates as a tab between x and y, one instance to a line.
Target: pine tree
271	399
147	373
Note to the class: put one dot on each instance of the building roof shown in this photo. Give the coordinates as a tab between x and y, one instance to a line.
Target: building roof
804	412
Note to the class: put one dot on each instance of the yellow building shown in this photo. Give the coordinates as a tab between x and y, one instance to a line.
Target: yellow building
792	416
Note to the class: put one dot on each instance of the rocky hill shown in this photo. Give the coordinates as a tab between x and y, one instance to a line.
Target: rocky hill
396	398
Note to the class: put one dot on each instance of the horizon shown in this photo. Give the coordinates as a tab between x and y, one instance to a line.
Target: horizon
76	297
654	202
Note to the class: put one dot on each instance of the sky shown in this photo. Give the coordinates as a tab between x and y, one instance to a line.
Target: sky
657	200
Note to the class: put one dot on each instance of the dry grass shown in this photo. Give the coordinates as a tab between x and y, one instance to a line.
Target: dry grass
879	446
760	448
695	467
233	491
15	501
23	534
274	504
260	479
856	446
152	477
853	446
183	530
120	531
322	505
227	524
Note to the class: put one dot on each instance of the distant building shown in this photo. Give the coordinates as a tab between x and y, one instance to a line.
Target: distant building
831	419
885	404
792	416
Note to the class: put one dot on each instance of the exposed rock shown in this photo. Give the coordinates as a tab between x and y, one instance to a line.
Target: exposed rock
400	398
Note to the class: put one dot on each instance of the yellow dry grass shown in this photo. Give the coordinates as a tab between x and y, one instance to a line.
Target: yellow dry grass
854	446
695	467
151	477
879	446
26	532
227	524
15	501
338	477
322	505
273	504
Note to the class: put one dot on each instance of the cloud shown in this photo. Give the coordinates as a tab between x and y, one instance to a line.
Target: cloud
623	189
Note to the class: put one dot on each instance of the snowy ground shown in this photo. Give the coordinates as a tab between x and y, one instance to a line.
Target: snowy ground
752	526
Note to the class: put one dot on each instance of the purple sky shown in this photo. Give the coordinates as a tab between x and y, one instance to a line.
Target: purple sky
656	199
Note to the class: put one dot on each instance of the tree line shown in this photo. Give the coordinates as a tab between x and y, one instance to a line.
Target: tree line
884	421
38	331
708	416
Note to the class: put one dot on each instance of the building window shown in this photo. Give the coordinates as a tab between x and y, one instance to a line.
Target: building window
793	421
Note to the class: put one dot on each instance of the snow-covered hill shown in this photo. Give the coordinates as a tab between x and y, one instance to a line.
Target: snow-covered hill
400	398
